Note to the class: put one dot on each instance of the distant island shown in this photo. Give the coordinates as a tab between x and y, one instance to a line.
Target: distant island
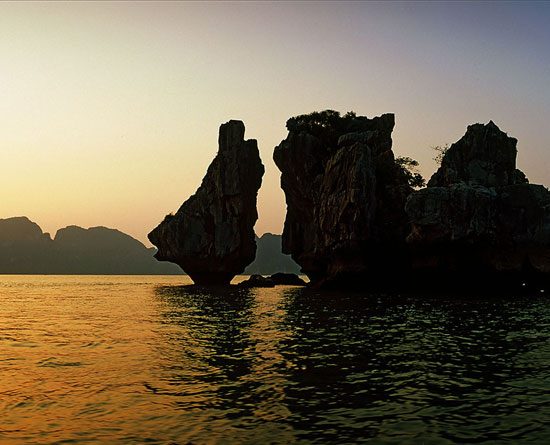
26	249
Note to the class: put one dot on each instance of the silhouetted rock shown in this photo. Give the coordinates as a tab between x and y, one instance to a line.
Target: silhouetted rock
287	279
345	198
479	220
483	156
257	281
24	249
98	250
269	257
211	236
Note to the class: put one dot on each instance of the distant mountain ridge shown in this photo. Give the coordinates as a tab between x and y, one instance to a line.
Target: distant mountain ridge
269	258
25	249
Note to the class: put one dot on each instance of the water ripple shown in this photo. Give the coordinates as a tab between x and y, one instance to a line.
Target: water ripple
145	359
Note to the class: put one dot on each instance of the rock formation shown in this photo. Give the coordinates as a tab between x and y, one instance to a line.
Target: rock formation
345	197
479	222
277	279
211	236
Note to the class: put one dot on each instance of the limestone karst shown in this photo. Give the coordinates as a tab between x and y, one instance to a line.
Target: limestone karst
211	236
345	196
479	218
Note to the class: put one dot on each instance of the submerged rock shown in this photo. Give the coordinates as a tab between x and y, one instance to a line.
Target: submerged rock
345	197
479	223
211	236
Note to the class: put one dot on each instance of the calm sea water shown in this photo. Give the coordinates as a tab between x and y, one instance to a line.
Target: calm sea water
103	359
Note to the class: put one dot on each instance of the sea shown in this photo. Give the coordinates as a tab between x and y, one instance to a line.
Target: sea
156	360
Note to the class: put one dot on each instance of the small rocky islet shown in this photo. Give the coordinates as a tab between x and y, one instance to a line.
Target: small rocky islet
356	220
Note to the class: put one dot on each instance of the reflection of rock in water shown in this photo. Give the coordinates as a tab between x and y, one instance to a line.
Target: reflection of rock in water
218	319
211	236
392	356
226	357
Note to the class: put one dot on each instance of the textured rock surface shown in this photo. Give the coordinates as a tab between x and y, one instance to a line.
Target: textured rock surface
345	197
484	155
479	219
211	236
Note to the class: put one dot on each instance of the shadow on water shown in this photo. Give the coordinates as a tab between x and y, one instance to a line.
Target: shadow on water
345	368
210	352
402	368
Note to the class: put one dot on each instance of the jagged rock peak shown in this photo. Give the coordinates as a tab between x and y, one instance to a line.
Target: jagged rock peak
345	194
485	156
479	221
211	236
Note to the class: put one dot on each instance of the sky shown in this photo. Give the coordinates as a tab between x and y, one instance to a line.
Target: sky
109	112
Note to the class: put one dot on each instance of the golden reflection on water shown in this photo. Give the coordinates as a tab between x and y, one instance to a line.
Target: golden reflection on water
73	351
98	358
126	359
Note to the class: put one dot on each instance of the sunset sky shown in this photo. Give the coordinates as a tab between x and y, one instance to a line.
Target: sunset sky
109	112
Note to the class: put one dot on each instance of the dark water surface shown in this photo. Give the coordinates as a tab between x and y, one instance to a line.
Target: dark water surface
102	359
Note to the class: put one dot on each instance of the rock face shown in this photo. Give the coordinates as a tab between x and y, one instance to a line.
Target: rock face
345	197
211	236
484	156
479	220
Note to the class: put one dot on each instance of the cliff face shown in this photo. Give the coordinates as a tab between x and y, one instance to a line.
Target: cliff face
484	156
345	197
211	236
479	218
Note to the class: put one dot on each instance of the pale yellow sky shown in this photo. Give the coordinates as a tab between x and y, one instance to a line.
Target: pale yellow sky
109	112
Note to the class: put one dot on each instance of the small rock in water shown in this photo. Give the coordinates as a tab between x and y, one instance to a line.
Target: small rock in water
257	281
287	278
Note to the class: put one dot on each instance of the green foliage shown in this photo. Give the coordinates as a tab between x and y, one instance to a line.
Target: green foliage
409	167
313	121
